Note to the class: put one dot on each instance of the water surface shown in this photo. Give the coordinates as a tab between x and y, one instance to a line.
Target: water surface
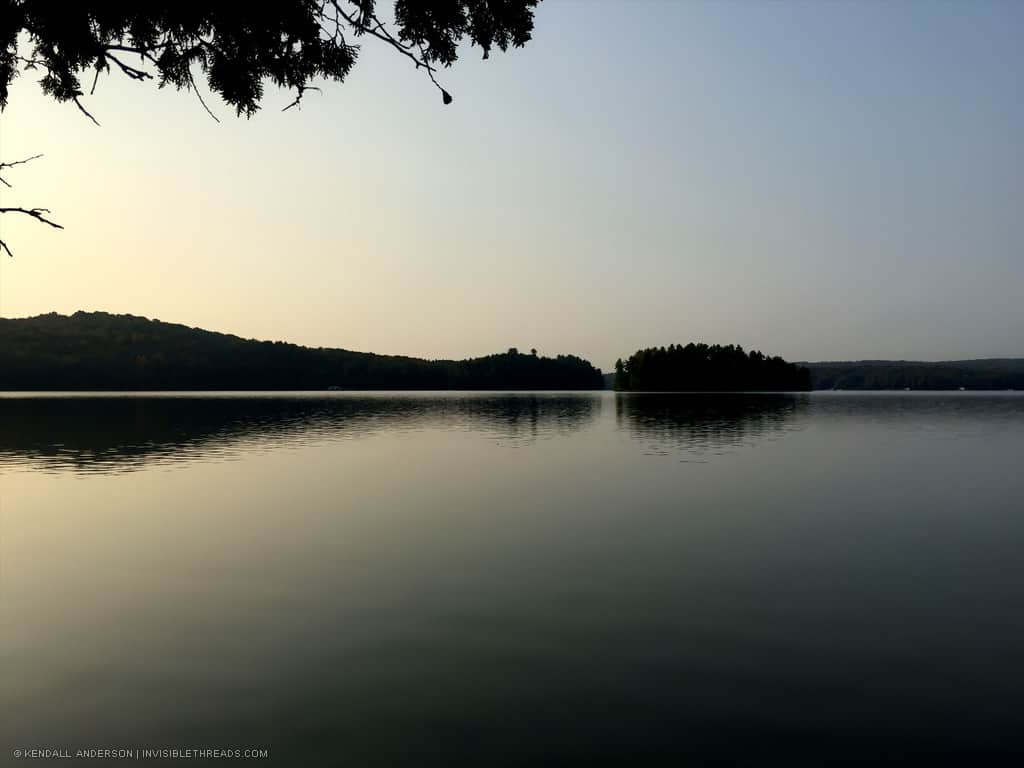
437	579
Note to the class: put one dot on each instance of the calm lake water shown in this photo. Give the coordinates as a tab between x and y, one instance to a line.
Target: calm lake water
485	579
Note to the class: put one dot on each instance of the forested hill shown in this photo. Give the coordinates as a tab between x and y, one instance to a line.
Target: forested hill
995	373
100	351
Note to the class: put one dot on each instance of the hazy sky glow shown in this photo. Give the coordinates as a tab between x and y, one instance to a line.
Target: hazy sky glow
818	180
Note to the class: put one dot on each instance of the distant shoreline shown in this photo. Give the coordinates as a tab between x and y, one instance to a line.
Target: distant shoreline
270	393
98	352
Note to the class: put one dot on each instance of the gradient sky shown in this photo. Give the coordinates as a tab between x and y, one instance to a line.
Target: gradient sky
818	180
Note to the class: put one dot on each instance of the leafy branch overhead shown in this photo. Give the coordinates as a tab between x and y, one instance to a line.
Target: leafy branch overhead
238	47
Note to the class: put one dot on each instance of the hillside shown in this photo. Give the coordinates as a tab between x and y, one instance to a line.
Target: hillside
100	351
990	374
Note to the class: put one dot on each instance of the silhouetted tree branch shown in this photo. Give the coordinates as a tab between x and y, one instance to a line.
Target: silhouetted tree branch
12	164
35	213
238	47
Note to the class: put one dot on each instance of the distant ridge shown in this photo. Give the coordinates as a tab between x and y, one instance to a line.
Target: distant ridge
101	351
996	373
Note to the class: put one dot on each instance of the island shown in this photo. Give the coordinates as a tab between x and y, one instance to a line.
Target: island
708	368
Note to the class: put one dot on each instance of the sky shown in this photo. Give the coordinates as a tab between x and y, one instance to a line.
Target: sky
823	181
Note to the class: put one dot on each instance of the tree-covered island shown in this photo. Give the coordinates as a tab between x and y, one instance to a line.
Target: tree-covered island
708	368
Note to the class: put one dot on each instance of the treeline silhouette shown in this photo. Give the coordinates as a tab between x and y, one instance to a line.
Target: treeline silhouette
100	351
996	373
708	368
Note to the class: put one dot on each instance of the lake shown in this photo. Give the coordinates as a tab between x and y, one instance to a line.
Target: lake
486	579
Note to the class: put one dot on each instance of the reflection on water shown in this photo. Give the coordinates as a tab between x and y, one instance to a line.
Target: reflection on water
118	433
816	579
113	433
697	424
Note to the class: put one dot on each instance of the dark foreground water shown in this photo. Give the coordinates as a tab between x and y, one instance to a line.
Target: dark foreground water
481	579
